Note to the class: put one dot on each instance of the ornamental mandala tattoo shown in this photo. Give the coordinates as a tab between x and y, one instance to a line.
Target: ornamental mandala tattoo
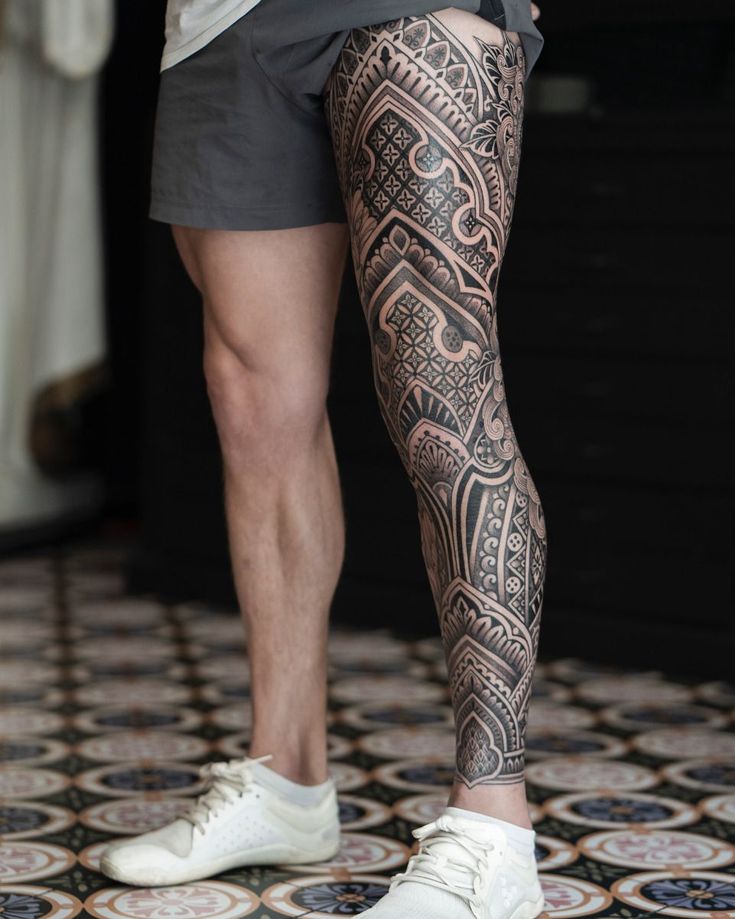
427	137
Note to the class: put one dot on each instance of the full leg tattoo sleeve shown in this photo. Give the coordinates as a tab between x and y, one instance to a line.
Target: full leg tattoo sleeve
426	131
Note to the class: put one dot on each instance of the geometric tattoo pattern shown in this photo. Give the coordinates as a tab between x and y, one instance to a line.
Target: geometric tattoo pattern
427	134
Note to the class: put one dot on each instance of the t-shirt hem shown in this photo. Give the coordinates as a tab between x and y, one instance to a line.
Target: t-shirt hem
180	53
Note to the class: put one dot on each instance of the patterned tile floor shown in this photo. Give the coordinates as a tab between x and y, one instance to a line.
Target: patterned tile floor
109	704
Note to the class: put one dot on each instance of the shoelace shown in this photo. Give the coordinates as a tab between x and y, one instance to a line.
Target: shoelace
429	866
226	781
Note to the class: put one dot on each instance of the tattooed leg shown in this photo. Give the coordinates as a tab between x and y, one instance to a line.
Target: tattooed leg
426	119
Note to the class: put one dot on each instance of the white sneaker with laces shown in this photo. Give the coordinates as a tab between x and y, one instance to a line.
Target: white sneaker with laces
240	820
464	869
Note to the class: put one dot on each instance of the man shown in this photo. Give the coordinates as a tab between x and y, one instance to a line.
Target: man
283	136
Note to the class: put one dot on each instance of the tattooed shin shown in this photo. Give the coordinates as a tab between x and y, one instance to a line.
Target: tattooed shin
426	132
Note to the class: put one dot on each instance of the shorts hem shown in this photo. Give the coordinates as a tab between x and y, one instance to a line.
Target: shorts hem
244	218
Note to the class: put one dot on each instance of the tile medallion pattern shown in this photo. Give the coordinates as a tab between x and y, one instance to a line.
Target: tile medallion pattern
109	704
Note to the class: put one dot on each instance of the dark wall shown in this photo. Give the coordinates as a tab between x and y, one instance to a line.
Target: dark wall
127	101
614	318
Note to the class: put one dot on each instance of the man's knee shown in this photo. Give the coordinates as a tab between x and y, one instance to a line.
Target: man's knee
264	413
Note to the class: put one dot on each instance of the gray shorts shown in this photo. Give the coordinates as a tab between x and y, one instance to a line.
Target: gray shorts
241	140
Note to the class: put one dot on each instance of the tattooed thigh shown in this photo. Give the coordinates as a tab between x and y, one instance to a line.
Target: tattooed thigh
426	119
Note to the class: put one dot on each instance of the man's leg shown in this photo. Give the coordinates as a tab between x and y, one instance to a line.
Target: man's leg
426	118
269	307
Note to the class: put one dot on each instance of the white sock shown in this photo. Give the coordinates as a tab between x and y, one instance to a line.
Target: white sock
299	794
519	837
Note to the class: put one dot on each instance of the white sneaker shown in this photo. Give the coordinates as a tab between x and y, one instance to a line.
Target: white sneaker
464	868
240	820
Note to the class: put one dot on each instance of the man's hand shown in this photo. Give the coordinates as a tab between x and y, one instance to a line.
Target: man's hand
535	11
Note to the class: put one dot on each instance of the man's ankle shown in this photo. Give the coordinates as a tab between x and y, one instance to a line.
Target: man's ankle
300	767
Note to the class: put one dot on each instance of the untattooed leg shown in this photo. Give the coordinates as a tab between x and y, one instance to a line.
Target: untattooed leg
268	339
426	116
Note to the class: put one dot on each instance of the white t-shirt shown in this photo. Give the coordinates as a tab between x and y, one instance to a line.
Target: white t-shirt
191	24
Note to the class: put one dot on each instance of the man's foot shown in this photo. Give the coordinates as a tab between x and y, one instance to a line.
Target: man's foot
464	869
249	815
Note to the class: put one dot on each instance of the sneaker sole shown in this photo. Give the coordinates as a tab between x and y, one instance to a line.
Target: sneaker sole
529	910
267	855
